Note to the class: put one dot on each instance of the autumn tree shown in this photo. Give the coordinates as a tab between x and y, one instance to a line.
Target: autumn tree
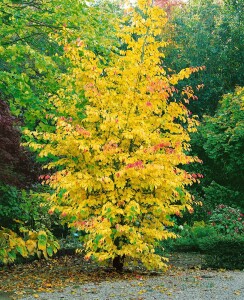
116	174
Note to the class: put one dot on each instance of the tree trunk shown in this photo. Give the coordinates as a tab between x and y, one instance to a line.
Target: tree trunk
118	263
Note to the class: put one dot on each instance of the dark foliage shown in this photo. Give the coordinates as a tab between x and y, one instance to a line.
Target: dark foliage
16	164
223	251
208	33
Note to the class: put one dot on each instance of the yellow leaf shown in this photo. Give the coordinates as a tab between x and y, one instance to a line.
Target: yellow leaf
237	293
31	246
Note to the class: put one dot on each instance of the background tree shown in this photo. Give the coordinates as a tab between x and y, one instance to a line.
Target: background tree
222	139
116	173
30	66
208	33
169	5
16	165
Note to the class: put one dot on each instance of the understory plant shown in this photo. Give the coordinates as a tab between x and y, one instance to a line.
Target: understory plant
29	225
27	243
220	239
188	237
223	251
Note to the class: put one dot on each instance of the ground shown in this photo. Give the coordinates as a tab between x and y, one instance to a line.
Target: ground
70	277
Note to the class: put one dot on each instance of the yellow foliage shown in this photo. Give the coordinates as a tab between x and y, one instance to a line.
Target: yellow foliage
119	177
12	244
31	246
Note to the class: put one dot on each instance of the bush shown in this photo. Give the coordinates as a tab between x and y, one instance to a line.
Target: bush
10	205
223	251
23	207
220	144
188	237
72	241
227	220
29	209
220	194
28	243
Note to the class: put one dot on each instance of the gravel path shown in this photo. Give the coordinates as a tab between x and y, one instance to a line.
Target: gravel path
175	284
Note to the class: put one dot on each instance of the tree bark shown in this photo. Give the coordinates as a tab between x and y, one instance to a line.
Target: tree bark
118	263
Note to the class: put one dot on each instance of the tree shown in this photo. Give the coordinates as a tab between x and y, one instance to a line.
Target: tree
168	5
222	140
116	174
31	59
208	33
16	164
219	144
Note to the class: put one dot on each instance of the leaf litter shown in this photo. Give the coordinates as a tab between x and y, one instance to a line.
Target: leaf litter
73	272
56	274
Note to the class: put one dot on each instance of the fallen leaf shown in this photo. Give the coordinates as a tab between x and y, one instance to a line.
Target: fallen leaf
237	293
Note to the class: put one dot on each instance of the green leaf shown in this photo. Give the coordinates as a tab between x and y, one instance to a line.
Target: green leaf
98	238
42	241
22	251
50	251
12	255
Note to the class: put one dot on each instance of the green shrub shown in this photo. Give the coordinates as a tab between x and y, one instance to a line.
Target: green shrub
191	235
23	207
72	240
188	237
29	209
201	230
35	210
223	251
9	205
216	194
184	244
